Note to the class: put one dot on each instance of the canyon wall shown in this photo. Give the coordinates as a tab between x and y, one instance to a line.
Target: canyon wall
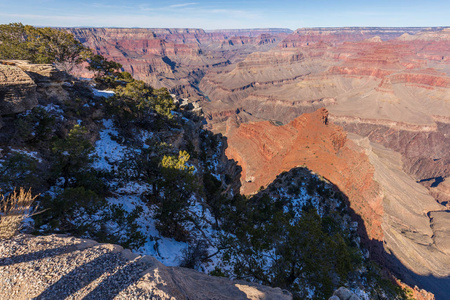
389	85
175	58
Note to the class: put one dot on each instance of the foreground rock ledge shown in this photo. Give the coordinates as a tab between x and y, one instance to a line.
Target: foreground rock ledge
50	267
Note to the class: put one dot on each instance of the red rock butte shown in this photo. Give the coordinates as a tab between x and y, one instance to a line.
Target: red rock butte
264	150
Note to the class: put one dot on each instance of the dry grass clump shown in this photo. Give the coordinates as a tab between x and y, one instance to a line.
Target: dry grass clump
13	210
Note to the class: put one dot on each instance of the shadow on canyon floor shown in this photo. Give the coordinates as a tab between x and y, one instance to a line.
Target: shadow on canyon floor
440	287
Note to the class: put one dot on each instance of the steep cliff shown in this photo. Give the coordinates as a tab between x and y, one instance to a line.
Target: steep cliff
414	224
175	58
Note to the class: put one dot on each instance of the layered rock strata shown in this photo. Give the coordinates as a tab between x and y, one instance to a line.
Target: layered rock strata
176	58
395	209
23	85
17	90
415	226
264	150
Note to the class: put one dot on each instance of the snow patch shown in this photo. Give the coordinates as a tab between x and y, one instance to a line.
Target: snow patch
32	154
103	93
107	150
166	250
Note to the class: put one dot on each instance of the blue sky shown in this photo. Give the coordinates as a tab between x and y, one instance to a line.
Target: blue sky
213	14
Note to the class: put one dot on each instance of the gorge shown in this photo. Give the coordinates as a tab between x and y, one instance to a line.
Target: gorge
311	164
387	89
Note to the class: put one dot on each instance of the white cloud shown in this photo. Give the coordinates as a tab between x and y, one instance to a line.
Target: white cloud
183	4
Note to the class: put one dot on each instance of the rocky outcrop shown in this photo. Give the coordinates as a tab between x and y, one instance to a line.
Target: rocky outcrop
394	208
49	267
44	75
417	293
23	85
17	90
264	150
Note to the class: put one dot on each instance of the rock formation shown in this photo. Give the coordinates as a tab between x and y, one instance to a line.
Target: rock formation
23	85
344	294
53	266
17	90
414	224
264	150
176	58
390	85
394	208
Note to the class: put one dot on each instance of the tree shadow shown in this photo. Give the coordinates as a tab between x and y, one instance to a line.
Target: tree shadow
112	272
8	261
439	286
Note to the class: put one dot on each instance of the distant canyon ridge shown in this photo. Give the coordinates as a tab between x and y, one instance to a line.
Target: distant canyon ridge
378	122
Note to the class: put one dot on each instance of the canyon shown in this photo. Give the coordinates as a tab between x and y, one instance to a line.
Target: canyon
365	108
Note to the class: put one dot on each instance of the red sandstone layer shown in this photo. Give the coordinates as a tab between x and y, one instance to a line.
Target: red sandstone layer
264	150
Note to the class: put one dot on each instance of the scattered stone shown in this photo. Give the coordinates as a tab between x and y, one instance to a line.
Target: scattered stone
345	294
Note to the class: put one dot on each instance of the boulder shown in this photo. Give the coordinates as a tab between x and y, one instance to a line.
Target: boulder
345	294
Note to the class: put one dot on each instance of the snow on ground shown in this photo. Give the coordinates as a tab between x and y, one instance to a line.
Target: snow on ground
166	250
128	195
107	150
53	109
32	154
103	93
145	135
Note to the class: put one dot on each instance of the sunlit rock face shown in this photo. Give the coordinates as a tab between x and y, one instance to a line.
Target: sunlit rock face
113	273
264	150
176	58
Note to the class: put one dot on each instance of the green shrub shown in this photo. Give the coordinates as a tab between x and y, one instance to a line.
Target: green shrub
194	255
307	251
20	170
72	156
106	72
178	187
35	128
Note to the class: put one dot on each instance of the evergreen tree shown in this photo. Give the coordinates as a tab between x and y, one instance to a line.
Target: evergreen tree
178	188
41	45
